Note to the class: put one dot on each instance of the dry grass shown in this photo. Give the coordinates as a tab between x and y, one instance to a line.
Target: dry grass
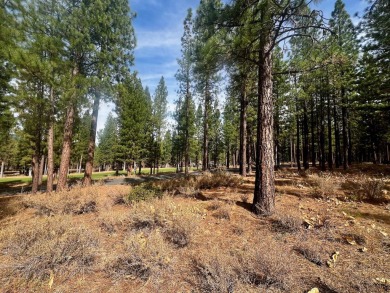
324	185
195	242
35	250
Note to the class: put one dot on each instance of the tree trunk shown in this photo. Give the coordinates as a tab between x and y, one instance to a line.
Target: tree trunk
243	134
66	148
330	150
264	193
50	146
312	126
41	169
67	140
345	130
205	165
35	172
322	134
336	135
298	135
2	169
87	181
249	150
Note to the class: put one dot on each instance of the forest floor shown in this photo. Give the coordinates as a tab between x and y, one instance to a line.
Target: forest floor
331	231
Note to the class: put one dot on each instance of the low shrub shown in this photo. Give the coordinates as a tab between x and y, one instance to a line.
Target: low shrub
144	256
222	213
286	224
365	188
145	191
76	201
324	185
177	234
310	254
49	245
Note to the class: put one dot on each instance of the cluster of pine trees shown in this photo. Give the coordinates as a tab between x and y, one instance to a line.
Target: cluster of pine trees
299	88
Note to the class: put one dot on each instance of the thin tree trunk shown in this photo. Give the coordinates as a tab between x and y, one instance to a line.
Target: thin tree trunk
264	193
243	134
205	165
50	145
87	181
336	134
322	134
312	126
305	135
330	150
298	135
345	130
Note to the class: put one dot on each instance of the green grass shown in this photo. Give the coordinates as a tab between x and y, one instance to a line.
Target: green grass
16	180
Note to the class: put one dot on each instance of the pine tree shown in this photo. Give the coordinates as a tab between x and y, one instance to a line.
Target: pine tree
185	105
159	114
113	37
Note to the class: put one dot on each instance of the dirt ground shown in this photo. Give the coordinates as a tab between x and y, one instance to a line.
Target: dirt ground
325	234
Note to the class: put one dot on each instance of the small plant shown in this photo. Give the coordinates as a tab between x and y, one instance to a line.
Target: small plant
324	185
131	265
372	189
178	235
222	213
286	224
214	205
310	254
244	197
214	275
145	191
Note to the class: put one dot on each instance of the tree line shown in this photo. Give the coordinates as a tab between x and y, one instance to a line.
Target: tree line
298	88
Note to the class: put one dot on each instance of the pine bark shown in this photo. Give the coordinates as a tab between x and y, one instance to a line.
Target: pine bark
264	193
66	148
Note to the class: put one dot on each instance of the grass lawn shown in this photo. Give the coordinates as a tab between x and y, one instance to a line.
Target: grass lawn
16	180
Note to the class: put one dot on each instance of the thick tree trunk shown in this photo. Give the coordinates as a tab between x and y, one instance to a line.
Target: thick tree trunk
66	148
41	169
264	193
243	134
35	172
87	181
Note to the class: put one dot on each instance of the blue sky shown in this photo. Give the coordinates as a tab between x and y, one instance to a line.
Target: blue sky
159	27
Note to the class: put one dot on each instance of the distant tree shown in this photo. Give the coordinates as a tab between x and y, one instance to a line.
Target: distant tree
112	35
185	115
108	141
160	104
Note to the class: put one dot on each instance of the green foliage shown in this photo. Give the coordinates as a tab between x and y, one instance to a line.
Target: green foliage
145	191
